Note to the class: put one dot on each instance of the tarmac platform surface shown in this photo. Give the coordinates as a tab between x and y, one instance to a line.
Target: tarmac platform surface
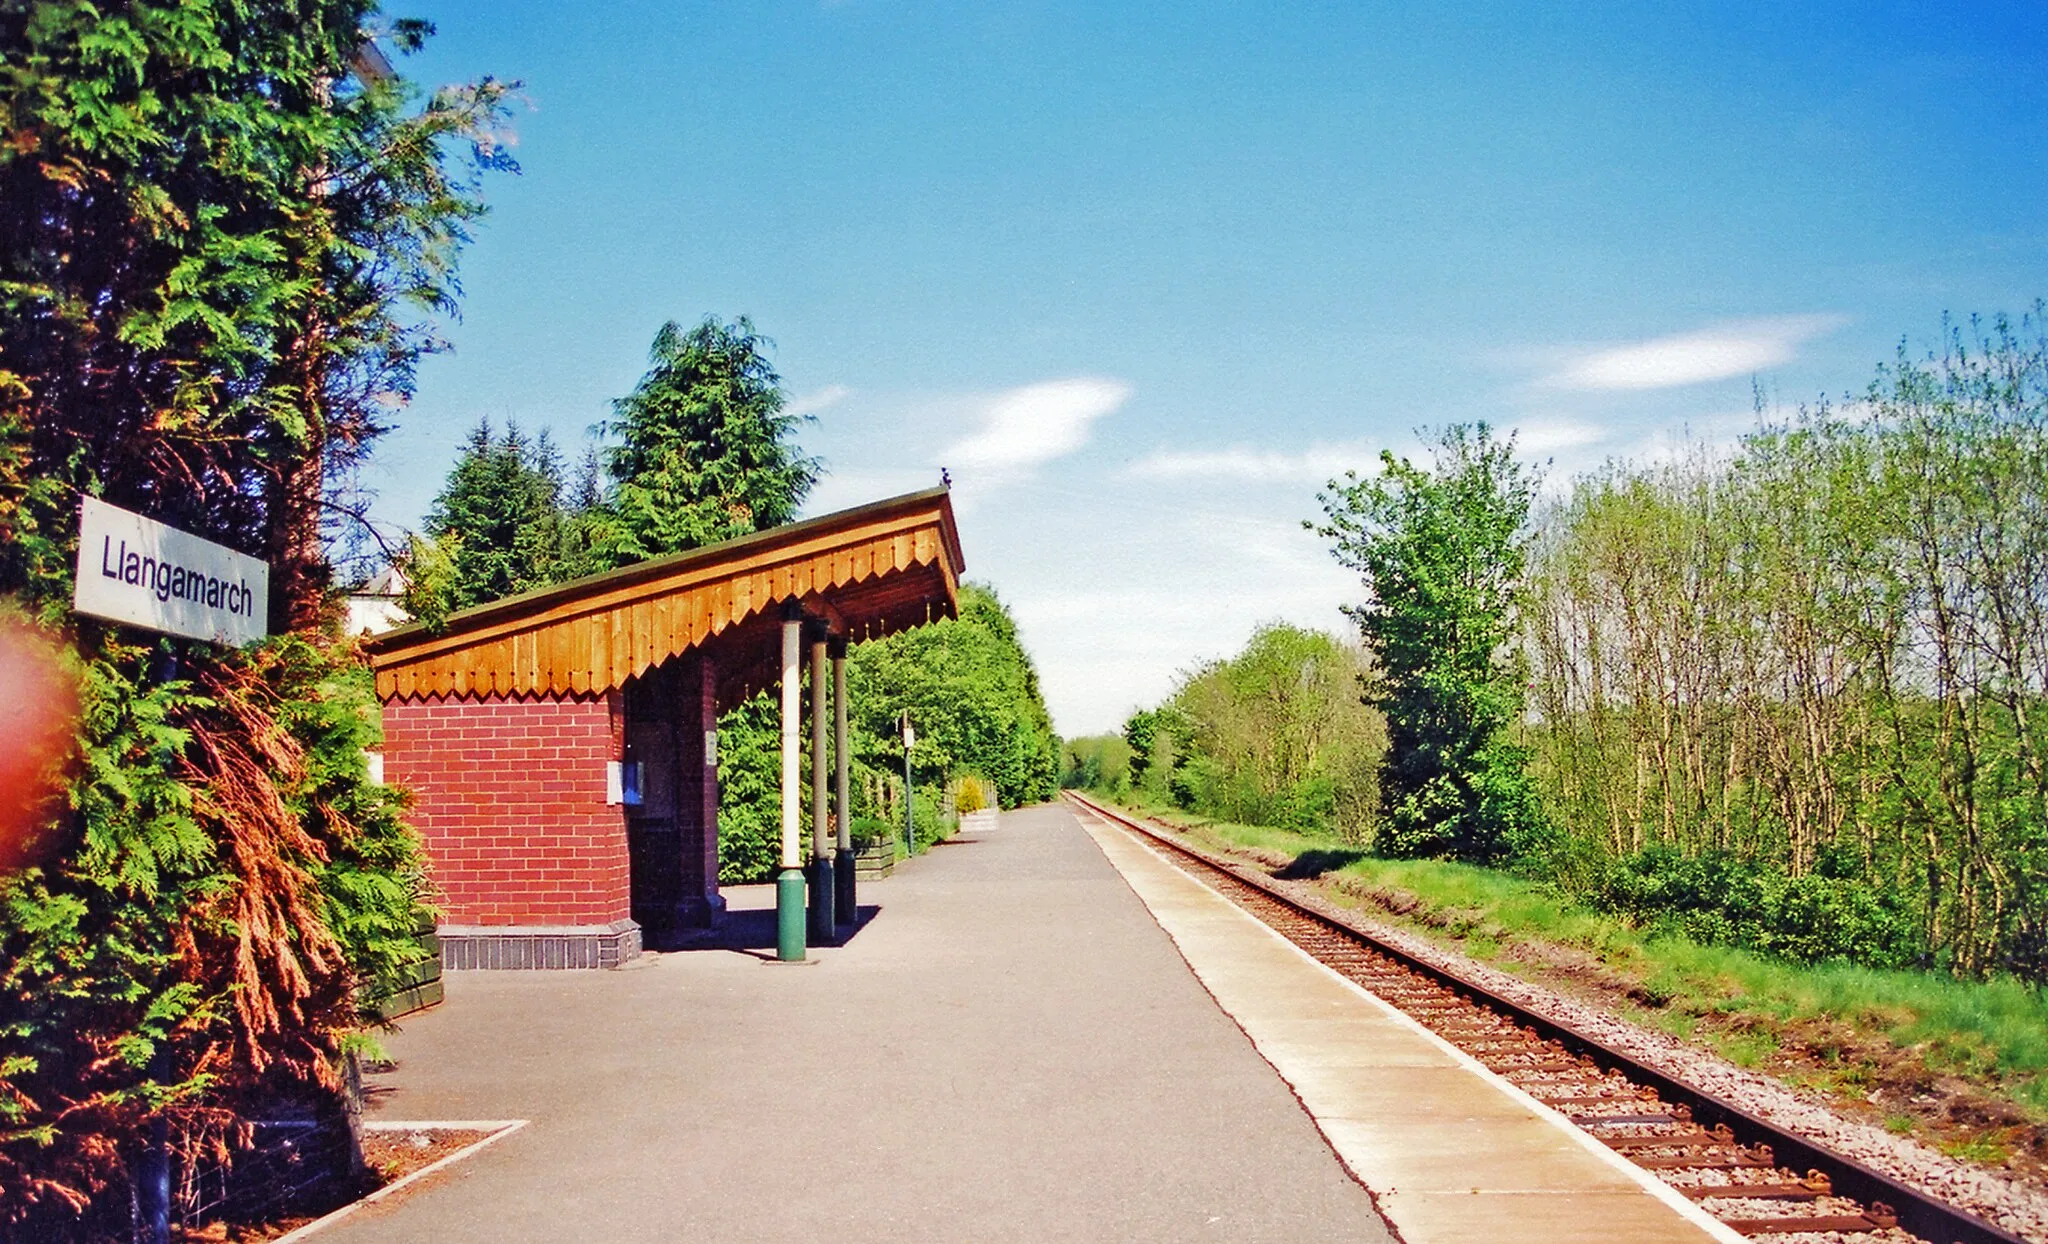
1011	1048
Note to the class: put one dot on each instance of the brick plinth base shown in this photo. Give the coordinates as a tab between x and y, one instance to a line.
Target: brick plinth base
539	946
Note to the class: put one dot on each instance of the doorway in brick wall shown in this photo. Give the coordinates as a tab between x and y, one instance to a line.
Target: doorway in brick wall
671	831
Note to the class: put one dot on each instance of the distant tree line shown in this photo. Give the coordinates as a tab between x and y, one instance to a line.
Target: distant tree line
1276	735
702	451
1792	696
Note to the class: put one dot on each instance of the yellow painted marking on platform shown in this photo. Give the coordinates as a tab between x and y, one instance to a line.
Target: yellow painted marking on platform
1451	1153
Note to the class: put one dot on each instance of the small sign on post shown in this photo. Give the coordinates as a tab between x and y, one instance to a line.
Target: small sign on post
139	571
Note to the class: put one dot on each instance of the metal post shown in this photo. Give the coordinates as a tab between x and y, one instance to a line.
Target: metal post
909	799
823	892
846	904
153	1169
789	884
153	1177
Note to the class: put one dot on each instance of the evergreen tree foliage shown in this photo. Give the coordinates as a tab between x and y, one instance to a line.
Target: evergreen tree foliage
220	255
705	454
586	490
705	451
500	520
1442	550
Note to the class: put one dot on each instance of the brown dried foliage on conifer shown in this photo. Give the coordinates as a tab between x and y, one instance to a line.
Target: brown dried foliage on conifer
285	971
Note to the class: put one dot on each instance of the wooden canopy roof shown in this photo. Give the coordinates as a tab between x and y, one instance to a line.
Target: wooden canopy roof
860	573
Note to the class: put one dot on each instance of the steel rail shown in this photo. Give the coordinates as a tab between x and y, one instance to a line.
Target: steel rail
1923	1215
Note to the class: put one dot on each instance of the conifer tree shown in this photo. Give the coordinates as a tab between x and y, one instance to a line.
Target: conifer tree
706	454
705	450
499	519
222	245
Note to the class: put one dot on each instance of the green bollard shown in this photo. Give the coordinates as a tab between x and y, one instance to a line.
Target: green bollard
789	915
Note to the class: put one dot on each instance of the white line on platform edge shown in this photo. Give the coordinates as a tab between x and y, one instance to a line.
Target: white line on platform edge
505	1128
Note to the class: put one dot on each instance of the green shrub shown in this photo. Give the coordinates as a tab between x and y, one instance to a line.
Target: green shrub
1720	898
866	831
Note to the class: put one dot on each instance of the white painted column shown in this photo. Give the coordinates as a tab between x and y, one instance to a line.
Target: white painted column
792	739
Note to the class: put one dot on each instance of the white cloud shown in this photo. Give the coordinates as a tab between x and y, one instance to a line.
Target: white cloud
1545	436
1315	464
1026	427
1734	348
1326	461
812	403
1715	435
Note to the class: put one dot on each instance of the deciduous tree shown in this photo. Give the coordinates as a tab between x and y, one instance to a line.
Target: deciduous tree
1442	549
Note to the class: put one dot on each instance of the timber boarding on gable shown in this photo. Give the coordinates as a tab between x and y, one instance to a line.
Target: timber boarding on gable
865	572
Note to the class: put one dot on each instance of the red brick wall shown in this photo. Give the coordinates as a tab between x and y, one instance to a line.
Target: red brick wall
510	797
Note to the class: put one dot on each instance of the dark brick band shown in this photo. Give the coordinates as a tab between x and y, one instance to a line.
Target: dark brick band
497	947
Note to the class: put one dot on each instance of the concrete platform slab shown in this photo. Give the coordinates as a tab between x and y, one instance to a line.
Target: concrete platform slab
1455	1154
1449	1151
1529	1217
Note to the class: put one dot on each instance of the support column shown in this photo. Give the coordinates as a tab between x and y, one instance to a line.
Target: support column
847	903
789	884
823	892
696	716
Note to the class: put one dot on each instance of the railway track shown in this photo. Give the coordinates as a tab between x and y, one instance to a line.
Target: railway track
1759	1179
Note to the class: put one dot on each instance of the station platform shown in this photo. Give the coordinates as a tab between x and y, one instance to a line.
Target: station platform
1453	1154
1013	1046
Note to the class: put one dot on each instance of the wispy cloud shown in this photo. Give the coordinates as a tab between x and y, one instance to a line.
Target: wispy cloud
1733	348
1315	464
1025	428
812	403
1549	436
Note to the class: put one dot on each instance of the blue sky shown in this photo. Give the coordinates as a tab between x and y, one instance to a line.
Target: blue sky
1142	276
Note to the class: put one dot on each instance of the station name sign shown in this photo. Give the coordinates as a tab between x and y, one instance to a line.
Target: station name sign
136	570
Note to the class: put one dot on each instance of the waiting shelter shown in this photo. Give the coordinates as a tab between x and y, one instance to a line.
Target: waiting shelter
562	744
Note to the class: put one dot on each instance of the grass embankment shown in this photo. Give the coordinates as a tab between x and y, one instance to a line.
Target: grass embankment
1964	1064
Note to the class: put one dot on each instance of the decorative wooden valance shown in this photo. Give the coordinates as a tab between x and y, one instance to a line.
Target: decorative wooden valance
860	573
